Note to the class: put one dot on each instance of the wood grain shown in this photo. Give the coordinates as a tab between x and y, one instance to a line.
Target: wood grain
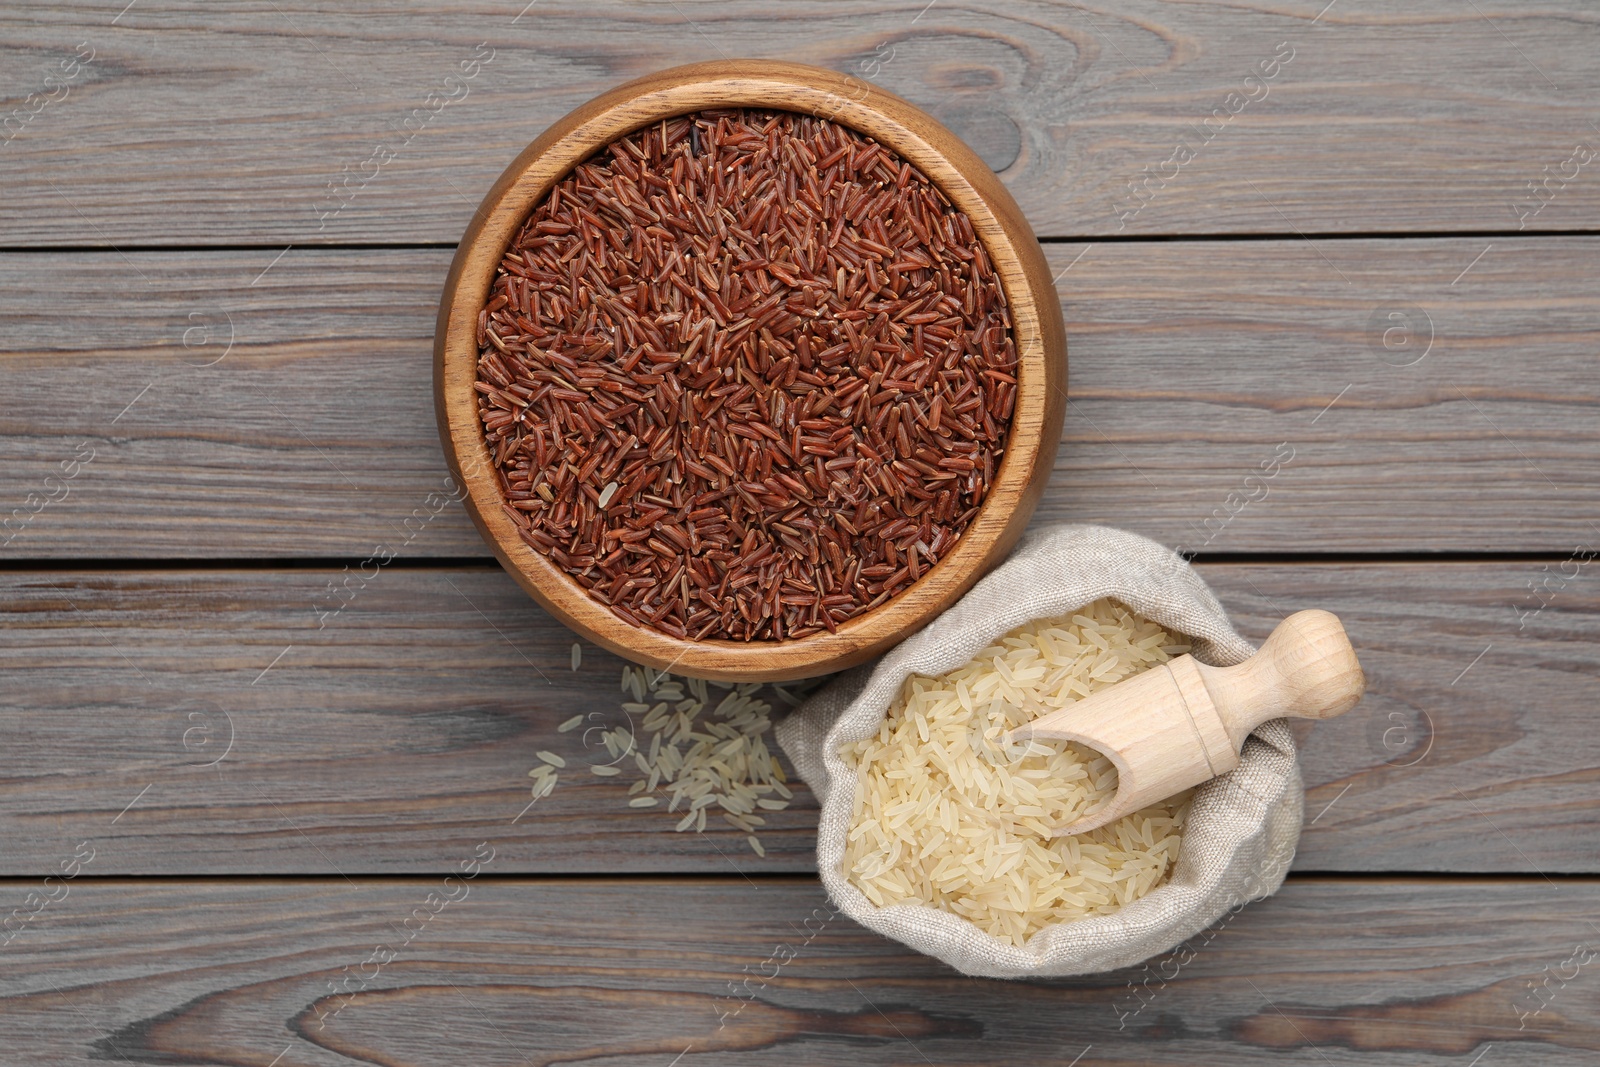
1032	430
1391	971
299	122
245	401
1193	365
401	731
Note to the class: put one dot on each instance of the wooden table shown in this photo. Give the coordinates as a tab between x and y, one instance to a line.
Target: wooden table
1360	234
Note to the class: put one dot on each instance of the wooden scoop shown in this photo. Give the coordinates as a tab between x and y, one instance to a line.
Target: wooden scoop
1174	726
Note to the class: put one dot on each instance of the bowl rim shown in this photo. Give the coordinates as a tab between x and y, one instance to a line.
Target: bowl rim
1037	330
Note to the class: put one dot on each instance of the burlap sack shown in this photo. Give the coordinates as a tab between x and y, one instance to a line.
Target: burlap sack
1242	827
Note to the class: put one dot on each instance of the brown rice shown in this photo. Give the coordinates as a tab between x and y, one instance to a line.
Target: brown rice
745	374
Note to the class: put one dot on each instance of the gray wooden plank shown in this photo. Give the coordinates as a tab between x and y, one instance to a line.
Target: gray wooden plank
1478	674
241	123
500	971
235	413
402	730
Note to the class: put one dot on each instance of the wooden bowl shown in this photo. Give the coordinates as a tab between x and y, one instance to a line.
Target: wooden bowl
914	136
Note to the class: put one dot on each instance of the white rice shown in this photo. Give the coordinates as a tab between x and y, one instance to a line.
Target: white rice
695	752
945	817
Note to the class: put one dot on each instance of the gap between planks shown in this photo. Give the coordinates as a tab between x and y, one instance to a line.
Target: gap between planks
757	878
1061	239
136	564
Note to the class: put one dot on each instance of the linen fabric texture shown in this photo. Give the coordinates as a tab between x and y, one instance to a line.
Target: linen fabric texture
1242	827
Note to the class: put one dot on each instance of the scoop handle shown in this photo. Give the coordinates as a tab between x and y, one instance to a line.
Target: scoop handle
1306	669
